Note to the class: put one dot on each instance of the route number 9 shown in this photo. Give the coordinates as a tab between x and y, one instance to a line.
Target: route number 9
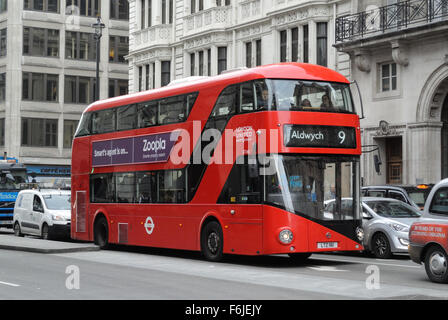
341	136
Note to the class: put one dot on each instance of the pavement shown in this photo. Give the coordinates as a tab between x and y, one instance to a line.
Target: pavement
33	244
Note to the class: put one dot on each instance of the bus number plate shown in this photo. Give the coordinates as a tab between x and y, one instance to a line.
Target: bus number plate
327	245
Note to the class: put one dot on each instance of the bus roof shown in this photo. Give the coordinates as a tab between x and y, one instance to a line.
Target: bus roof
289	70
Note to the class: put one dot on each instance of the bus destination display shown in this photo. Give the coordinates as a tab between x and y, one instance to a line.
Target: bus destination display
319	136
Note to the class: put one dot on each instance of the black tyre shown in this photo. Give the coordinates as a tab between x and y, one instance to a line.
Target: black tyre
101	233
17	230
212	241
299	257
381	246
45	234
436	264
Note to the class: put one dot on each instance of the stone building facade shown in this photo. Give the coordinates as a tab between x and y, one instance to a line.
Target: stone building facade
399	58
172	39
47	74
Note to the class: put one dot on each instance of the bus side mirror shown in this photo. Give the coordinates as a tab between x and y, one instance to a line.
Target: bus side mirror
377	161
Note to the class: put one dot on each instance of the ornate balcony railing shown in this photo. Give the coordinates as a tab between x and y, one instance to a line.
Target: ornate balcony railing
216	17
155	35
394	17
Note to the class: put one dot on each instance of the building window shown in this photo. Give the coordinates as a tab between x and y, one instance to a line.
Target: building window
192	63
248	54
147	76
140	78
118	87
88	8
42	5
388	77
258	52
222	59
142	18
2	86
294	44
209	62
171	12
167	11
3	42
69	132
40	86
220	3
2	132
39	132
199	4
80	46
153	67
201	63
306	42
166	73
119	9
40	42
3	6
322	43
79	89
118	48
283	46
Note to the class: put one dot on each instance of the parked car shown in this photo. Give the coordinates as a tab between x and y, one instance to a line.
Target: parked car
429	236
386	224
414	195
44	213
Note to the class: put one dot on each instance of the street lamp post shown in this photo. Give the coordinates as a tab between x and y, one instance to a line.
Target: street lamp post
98	27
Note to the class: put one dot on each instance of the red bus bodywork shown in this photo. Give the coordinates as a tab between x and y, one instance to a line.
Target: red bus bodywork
250	229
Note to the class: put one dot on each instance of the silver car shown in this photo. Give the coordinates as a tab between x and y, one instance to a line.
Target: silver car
386	224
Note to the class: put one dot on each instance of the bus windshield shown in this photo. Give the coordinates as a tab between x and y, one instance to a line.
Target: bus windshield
298	95
304	184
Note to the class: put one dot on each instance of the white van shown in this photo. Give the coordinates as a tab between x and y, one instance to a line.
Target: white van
45	213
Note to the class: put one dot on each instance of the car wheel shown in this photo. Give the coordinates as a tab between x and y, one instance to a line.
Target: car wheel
45	232
381	246
101	233
212	241
299	257
17	230
436	265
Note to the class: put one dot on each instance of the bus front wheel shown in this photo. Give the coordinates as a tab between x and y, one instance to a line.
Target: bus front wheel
101	233
212	241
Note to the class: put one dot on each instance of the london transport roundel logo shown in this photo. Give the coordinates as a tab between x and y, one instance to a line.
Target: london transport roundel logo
149	225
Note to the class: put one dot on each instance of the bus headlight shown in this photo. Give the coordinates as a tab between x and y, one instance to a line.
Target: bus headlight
285	236
360	233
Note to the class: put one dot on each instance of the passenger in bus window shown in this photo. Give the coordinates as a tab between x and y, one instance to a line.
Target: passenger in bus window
263	99
326	102
305	103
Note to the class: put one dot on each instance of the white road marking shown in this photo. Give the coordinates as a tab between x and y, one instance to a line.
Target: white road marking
370	262
10	284
326	268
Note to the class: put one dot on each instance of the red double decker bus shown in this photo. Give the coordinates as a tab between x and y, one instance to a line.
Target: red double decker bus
254	162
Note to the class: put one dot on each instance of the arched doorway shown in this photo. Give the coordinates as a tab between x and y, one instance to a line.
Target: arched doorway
444	138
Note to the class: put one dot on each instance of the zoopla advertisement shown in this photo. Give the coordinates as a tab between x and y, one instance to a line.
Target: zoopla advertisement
140	149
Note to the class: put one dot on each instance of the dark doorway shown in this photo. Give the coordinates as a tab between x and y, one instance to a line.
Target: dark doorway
394	160
444	146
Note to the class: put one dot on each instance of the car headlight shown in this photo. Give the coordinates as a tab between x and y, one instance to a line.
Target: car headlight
57	217
285	236
399	227
360	233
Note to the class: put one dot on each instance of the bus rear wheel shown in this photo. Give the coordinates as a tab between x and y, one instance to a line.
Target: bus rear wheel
212	241
101	233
